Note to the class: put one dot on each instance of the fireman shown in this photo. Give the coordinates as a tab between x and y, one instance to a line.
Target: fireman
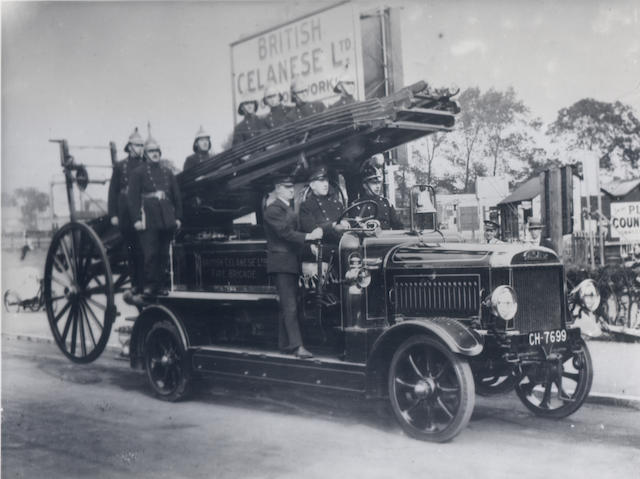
284	243
119	209
201	147
251	125
300	98
156	209
491	229
277	115
345	87
371	177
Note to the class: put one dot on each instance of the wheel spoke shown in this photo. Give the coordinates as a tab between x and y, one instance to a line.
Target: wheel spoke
67	257
58	281
95	318
405	384
62	311
83	345
448	390
86	316
415	367
95	303
60	269
444	407
67	324
406	412
547	395
74	330
573	376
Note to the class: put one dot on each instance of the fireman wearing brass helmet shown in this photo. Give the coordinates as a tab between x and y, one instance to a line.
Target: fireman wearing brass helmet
371	177
300	99
156	209
119	208
277	115
251	125
201	147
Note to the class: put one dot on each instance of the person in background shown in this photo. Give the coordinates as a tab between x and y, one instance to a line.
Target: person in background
491	229
300	98
201	147
278	112
345	87
251	125
371	177
284	243
535	234
156	210
118	208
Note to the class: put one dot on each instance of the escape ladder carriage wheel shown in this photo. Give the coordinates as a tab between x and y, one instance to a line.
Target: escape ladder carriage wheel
78	292
431	389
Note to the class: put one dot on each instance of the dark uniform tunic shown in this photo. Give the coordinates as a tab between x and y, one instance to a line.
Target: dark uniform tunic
276	117
303	110
154	199
284	244
386	213
119	207
322	211
196	159
251	126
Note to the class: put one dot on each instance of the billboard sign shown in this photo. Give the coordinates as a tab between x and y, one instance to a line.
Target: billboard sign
321	48
625	221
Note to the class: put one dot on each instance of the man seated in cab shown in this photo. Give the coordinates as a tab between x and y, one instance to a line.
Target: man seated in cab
491	229
251	125
300	98
371	177
284	244
535	234
156	208
322	208
201	147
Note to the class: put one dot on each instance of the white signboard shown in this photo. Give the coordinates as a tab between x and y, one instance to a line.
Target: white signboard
320	48
625	221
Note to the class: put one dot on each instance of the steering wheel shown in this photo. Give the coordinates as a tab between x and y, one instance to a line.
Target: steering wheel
361	205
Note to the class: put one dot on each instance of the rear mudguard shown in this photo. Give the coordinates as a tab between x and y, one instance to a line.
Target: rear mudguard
459	338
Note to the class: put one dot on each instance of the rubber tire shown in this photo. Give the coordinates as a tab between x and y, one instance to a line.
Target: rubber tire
569	407
464	377
185	383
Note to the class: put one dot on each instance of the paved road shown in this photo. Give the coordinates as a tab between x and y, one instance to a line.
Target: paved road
62	420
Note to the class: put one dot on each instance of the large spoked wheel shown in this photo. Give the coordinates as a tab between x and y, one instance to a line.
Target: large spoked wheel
78	292
431	389
12	301
559	386
166	362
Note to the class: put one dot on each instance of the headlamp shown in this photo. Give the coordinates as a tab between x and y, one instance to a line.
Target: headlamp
357	274
504	302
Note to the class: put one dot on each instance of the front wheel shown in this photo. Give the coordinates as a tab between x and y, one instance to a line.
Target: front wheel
558	386
166	362
431	389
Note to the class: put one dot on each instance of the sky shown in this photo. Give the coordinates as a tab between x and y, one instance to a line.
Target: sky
91	71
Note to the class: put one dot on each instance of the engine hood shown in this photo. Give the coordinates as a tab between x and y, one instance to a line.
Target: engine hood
398	250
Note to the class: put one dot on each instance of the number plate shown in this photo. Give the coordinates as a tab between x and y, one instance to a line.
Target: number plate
547	337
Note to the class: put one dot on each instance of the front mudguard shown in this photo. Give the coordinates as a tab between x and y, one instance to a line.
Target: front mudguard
458	337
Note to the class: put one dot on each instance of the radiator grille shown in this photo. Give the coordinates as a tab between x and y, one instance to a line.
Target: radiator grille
540	302
451	295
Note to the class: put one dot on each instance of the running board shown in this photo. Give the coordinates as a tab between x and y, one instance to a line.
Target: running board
320	371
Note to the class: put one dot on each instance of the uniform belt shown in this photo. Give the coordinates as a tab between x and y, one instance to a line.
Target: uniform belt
161	195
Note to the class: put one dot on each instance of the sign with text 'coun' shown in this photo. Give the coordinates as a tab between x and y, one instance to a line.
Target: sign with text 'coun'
320	48
625	221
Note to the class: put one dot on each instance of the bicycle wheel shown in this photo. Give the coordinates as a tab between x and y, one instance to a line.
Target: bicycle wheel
12	301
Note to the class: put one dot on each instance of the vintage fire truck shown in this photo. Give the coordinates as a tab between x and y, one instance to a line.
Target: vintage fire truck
415	315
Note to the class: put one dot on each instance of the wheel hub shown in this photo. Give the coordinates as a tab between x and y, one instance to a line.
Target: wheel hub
424	388
166	360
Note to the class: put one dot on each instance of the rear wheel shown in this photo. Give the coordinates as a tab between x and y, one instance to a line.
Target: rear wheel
11	301
431	389
166	362
78	292
558	386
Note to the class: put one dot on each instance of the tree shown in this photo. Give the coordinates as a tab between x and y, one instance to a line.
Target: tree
32	202
609	129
